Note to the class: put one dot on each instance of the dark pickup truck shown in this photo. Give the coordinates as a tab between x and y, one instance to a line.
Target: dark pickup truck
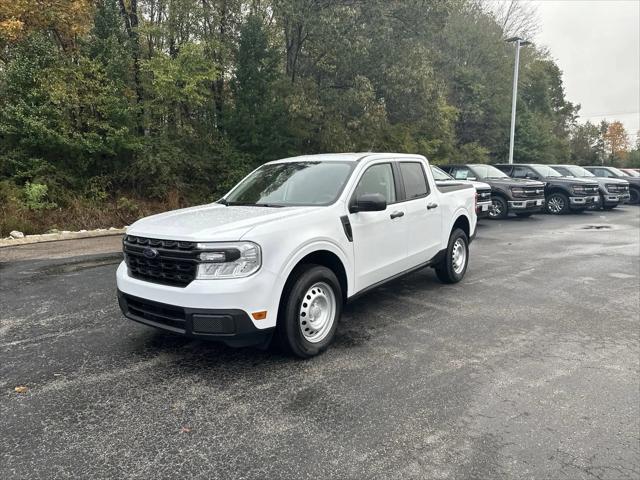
613	172
613	191
483	191
508	195
562	194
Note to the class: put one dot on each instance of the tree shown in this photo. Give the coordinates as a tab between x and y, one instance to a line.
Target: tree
616	143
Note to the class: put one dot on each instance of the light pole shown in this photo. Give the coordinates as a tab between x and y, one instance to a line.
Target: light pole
519	43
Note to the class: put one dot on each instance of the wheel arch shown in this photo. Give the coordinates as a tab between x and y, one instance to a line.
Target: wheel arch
320	253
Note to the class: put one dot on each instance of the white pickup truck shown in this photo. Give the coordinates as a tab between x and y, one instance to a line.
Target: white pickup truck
286	247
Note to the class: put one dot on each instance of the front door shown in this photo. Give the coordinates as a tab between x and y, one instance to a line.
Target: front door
379	238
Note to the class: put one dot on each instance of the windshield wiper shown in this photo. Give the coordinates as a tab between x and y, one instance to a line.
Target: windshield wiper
248	204
222	201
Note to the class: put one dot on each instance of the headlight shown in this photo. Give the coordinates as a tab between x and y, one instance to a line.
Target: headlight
517	191
579	189
228	260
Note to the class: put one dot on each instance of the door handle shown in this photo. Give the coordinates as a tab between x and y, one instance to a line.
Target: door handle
396	214
431	205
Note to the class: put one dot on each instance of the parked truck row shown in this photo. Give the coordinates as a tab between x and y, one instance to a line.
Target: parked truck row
277	257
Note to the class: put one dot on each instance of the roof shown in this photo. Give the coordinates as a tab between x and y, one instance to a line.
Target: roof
344	157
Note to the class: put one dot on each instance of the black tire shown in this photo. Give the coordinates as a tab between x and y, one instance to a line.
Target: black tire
500	208
289	329
635	196
524	214
557	204
445	269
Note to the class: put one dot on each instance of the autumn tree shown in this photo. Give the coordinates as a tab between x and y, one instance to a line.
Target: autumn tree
616	142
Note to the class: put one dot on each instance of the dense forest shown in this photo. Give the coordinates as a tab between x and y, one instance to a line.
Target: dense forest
110	109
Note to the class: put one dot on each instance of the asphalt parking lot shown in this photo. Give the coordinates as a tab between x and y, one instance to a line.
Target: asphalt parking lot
529	368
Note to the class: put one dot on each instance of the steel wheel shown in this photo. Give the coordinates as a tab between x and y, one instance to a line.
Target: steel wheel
556	204
317	312
459	256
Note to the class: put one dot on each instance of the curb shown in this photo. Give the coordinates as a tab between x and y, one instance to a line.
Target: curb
54	237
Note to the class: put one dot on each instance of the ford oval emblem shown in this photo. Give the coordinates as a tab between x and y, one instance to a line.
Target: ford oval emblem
150	252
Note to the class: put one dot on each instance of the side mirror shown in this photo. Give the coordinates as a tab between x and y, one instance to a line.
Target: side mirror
369	202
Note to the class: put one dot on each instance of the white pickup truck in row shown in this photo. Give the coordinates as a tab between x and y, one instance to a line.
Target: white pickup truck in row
286	247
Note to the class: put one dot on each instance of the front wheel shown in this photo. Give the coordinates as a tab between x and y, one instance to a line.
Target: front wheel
500	208
557	203
634	196
310	311
454	265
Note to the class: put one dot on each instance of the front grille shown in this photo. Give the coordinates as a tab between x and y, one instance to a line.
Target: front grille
484	195
617	188
586	189
533	191
170	317
174	263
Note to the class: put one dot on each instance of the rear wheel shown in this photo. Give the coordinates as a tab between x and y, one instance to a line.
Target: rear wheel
557	203
454	265
500	208
310	311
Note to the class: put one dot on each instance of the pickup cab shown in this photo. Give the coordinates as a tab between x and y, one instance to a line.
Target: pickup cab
280	254
523	197
613	191
613	172
484	206
562	194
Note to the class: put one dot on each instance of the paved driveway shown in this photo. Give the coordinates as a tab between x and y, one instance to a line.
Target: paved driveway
529	368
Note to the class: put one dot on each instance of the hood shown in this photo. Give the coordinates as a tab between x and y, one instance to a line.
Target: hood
213	222
610	181
570	181
631	180
509	181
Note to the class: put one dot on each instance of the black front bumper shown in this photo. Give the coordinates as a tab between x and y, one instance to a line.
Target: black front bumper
233	327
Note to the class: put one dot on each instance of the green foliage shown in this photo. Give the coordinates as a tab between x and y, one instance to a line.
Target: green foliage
35	197
179	99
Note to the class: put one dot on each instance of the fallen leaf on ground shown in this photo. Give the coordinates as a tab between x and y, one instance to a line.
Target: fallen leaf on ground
21	389
185	430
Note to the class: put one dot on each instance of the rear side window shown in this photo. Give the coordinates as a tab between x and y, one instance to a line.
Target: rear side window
415	181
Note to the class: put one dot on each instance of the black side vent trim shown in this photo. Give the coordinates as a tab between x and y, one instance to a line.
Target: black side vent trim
347	227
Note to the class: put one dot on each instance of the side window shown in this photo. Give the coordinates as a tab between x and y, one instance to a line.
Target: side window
415	181
378	179
460	173
520	172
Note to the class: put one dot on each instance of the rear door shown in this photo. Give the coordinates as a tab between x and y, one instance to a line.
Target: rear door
424	215
379	238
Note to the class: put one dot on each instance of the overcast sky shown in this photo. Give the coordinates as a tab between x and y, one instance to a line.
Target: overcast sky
597	46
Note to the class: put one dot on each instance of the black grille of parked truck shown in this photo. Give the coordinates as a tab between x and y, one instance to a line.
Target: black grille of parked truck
562	194
613	191
612	172
523	197
483	191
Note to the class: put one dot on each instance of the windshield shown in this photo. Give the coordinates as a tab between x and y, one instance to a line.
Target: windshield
292	184
545	171
574	171
632	173
439	174
488	171
620	173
